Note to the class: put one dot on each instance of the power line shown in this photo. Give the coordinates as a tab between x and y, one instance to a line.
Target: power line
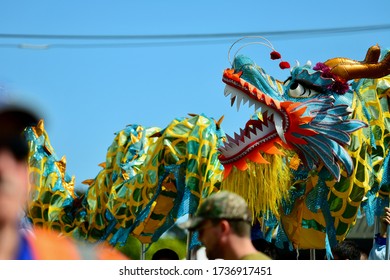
201	36
114	45
175	39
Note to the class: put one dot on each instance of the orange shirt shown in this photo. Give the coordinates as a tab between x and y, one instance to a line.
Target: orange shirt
48	245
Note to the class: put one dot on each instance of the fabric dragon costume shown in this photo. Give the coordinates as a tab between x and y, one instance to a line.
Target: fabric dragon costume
314	152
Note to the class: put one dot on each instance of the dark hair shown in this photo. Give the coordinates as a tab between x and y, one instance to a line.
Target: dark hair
13	121
17	145
346	250
165	254
240	227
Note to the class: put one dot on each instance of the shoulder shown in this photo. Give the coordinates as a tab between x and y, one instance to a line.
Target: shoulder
378	252
50	245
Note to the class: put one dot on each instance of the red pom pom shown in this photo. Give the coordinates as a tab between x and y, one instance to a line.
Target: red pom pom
275	55
284	65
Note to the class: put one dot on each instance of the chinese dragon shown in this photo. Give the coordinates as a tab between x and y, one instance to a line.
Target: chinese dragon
314	154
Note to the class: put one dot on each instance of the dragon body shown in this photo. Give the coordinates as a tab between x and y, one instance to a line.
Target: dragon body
149	179
314	152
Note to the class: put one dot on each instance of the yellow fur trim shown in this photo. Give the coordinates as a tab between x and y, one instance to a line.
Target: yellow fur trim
264	186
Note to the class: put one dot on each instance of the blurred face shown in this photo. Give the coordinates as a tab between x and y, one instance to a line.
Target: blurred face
209	235
13	188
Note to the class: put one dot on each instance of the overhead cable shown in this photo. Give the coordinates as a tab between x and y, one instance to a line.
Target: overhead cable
145	40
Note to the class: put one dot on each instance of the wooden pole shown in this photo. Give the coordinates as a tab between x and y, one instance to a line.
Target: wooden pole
387	255
188	253
142	251
312	254
189	238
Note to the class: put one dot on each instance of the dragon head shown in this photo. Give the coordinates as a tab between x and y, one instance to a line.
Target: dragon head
305	118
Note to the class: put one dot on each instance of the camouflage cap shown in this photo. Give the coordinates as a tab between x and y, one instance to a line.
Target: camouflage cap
221	205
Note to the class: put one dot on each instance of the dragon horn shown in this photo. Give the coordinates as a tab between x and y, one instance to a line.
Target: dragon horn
218	123
373	54
349	69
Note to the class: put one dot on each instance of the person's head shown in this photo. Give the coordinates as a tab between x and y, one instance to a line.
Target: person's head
363	256
222	219
346	250
165	254
13	161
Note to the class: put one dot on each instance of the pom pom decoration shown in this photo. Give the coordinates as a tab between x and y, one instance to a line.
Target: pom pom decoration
275	55
284	65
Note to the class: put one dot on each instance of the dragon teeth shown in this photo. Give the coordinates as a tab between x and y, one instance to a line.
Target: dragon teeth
227	91
237	95
245	100
248	139
239	99
232	100
230	139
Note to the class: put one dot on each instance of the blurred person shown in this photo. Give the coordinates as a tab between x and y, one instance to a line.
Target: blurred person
223	222
33	243
198	253
346	250
165	254
363	256
378	250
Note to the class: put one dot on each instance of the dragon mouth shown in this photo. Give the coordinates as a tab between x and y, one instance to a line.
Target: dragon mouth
272	120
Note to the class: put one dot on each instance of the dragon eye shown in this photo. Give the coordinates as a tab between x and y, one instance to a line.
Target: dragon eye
299	91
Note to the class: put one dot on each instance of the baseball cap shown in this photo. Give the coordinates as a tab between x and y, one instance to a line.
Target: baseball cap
221	205
13	120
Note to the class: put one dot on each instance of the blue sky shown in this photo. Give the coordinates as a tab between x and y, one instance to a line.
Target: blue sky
86	94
